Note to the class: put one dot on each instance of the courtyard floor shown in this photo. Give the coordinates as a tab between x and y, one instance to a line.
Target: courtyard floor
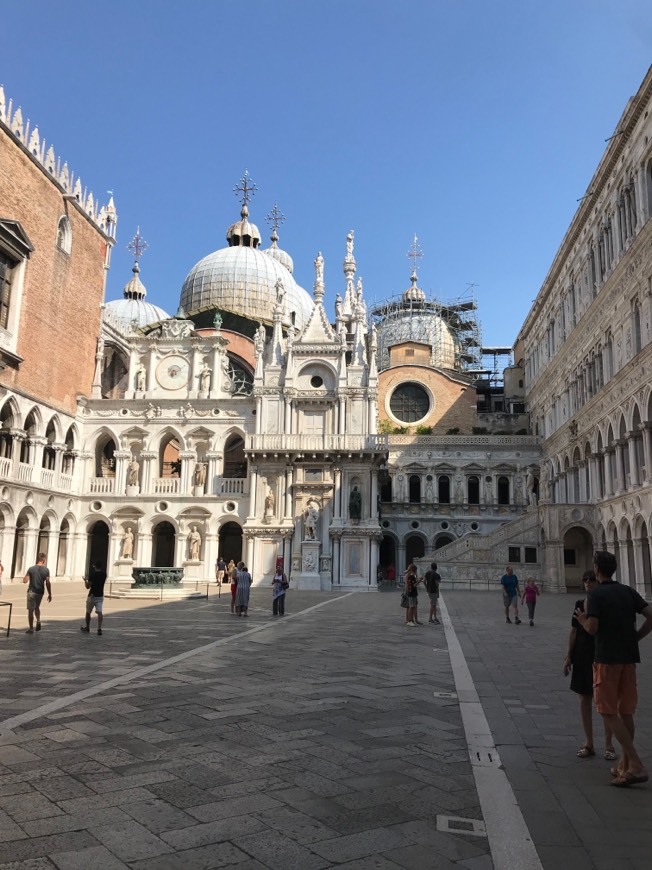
331	737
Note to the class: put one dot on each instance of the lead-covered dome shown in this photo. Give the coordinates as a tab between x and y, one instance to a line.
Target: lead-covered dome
242	279
133	311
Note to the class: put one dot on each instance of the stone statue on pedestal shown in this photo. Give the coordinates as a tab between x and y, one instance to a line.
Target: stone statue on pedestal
128	544
355	504
194	544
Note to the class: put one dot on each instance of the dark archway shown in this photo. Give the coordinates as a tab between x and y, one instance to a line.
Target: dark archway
442	540
578	556
163	541
415	548
98	544
19	556
415	488
444	489
473	488
230	542
235	461
387	554
647	568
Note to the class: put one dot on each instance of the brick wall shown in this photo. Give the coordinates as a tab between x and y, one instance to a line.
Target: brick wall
454	402
62	293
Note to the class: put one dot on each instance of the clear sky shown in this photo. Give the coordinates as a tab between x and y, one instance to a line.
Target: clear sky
475	124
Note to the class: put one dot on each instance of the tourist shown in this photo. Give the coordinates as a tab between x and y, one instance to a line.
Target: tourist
412	592
95	598
391	574
38	577
279	588
611	618
220	568
579	663
431	582
232	571
529	597
243	586
509	582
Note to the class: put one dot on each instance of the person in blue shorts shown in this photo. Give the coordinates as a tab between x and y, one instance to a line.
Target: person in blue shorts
509	582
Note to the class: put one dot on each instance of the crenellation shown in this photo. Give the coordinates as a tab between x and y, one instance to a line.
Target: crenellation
31	140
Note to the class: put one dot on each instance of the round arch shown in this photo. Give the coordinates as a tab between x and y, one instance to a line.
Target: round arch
577	554
230	541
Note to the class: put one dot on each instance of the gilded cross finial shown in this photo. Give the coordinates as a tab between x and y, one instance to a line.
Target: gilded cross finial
245	190
415	253
137	246
275	218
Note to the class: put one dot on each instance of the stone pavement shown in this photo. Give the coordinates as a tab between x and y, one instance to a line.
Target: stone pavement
186	737
575	818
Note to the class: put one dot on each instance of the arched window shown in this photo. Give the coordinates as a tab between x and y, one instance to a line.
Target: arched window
64	235
104	457
385	486
503	490
235	461
415	488
242	382
473	488
444	489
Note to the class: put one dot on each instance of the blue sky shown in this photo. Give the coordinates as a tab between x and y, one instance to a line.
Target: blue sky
474	124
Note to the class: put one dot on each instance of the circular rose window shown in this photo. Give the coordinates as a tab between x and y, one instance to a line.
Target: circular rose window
409	402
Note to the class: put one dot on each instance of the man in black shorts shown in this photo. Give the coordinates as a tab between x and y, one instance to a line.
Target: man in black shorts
38	577
431	582
95	599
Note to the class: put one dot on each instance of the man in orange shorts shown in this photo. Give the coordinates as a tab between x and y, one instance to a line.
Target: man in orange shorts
611	617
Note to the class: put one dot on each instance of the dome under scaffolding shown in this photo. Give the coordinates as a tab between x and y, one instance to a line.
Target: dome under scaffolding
450	329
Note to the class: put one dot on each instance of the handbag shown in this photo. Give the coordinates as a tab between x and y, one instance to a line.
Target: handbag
404	599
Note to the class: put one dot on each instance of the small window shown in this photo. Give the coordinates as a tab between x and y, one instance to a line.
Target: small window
569	557
316	381
64	235
531	554
6	270
513	554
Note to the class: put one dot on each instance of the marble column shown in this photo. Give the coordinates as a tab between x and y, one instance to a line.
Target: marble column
253	483
149	465
623	564
621	483
188	459
373	501
608	484
151	369
212	472
639	571
646	432
287	507
634	470
122	459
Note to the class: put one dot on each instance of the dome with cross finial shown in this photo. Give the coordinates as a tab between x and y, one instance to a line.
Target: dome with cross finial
240	280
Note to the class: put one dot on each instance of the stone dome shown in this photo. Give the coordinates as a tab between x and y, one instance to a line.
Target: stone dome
242	279
279	254
133	311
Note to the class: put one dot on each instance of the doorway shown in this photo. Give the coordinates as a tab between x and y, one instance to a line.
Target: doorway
98	544
163	541
230	542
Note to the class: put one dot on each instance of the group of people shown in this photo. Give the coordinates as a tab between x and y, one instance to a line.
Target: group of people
601	657
512	593
38	581
410	596
240	581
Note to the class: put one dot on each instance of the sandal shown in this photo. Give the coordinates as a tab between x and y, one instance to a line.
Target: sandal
585	752
610	755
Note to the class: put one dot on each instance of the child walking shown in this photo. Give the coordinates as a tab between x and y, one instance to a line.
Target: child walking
530	594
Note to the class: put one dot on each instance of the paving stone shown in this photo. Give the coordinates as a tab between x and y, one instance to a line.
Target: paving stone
29	864
130	841
157	815
211	832
203	858
279	853
95	858
79	822
361	845
35	847
233	807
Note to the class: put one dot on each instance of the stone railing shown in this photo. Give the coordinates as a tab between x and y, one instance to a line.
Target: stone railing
101	485
317	443
232	486
527	442
167	485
